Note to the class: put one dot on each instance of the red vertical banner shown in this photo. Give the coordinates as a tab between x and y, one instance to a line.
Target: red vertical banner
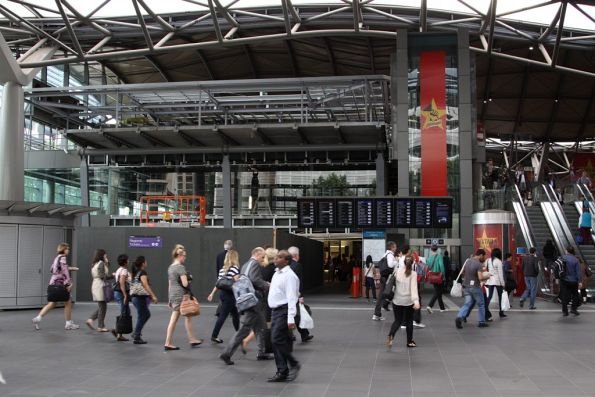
433	123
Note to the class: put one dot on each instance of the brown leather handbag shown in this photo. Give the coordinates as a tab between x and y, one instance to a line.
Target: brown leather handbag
189	306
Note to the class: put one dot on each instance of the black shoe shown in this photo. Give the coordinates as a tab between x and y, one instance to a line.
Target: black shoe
293	372
503	315
277	378
307	338
565	314
264	357
575	312
226	359
139	341
465	320
216	340
483	325
521	303
459	323
168	348
532	308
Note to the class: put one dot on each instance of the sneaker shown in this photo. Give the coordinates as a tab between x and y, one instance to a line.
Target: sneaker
418	325
429	309
483	325
378	318
374	301
36	322
521	303
442	310
533	308
71	326
403	327
575	312
459	323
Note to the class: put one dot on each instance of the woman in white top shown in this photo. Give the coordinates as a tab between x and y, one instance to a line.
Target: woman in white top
405	301
496	281
122	291
101	275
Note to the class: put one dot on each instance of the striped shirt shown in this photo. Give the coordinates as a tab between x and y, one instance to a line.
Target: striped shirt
233	271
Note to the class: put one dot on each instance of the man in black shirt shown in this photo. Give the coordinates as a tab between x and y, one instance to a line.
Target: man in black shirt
297	269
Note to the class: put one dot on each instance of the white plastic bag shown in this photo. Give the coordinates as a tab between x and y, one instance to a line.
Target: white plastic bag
505	302
306	321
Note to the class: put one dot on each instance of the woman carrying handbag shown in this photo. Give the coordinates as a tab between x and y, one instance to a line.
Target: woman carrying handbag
405	301
230	269
436	278
101	289
496	281
59	289
179	281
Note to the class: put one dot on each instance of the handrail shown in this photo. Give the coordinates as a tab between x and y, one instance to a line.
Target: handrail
562	222
522	217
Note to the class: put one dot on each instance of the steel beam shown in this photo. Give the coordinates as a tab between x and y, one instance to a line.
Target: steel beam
203	59
117	140
559	34
143	25
263	137
292	60
586	114
152	140
523	94
331	57
423	16
158	68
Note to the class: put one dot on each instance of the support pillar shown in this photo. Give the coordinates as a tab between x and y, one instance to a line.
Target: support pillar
226	171
12	151
84	180
380	175
400	108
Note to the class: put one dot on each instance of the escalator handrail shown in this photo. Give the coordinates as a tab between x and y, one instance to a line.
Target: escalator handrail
562	221
523	218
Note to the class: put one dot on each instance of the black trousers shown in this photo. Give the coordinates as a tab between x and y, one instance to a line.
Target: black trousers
438	289
281	339
403	315
304	333
378	307
499	290
228	307
569	293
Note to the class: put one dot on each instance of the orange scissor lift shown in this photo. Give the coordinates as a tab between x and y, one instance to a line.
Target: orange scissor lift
181	209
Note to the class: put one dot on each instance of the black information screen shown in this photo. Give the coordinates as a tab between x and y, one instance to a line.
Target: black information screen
365	213
326	213
345	213
384	212
404	212
443	213
306	213
423	212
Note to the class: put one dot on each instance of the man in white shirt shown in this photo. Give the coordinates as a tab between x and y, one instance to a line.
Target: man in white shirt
391	249
283	296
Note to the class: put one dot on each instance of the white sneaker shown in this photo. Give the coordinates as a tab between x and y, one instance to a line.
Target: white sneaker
418	325
36	321
71	326
429	309
442	310
377	318
403	327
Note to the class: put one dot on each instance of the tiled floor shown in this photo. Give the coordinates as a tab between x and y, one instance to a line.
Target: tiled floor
528	354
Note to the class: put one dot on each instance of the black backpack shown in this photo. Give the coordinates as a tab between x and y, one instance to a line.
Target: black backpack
559	268
382	265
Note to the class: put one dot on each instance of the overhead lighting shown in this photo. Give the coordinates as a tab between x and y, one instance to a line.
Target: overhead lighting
490	99
531	48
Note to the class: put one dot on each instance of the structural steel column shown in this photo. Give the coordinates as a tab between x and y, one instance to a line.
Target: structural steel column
12	131
400	107
380	174
84	180
467	141
226	170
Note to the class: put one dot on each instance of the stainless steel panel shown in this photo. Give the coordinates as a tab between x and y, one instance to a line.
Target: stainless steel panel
8	263
29	261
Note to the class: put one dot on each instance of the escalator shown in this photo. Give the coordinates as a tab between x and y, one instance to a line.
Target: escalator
541	231
572	215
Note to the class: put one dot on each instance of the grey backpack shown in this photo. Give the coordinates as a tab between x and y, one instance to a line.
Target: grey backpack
244	292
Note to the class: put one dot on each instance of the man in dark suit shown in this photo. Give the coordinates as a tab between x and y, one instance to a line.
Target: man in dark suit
297	269
227	245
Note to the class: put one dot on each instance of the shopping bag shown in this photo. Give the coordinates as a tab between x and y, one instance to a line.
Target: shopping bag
505	302
457	290
494	303
306	321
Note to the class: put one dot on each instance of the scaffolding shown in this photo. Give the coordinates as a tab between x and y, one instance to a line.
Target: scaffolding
173	209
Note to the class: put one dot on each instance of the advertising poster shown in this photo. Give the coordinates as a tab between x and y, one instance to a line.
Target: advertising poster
487	237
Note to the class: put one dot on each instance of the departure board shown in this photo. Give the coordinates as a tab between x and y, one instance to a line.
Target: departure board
345	213
443	213
404	212
384	212
364	213
326	213
423	213
306	213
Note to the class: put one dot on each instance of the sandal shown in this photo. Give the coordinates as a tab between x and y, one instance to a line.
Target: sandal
196	344
389	341
90	324
102	330
411	344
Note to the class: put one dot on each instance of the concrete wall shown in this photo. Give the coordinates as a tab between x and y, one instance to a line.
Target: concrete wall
202	245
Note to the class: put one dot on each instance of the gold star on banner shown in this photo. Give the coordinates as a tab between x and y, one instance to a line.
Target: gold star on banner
432	116
486	242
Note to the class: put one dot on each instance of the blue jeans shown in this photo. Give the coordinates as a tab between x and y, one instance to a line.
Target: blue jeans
143	314
473	295
119	297
531	290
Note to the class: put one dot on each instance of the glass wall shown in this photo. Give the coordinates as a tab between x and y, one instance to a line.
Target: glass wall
417	44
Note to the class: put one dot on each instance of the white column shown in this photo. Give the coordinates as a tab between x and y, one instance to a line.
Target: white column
12	155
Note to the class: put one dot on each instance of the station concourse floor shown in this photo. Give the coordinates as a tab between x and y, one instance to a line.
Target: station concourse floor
537	353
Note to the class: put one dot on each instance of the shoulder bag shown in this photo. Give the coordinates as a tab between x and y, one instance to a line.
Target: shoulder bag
224	284
58	293
108	289
124	323
457	288
434	277
189	306
136	288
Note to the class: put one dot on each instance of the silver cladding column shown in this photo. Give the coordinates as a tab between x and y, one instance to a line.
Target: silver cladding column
226	171
12	152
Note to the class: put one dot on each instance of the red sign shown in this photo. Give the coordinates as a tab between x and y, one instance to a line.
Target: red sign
433	123
487	237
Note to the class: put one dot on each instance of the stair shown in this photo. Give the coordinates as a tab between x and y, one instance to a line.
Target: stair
588	251
541	231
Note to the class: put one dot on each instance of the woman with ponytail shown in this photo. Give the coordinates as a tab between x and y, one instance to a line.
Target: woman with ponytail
405	301
142	295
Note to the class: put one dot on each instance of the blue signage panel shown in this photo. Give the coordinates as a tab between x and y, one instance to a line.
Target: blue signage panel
145	242
374	234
